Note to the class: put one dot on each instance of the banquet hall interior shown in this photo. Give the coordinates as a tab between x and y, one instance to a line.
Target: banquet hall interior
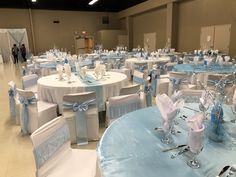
117	88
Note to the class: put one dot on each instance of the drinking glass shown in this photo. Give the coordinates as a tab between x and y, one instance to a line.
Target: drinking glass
195	143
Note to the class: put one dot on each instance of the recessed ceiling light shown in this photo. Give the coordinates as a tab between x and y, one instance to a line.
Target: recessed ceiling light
34	0
92	2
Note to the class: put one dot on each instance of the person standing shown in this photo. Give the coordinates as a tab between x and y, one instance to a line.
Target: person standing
15	51
23	52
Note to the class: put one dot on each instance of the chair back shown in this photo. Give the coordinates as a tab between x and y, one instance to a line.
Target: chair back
24	93
130	89
81	113
139	77
51	143
178	75
120	105
29	80
79	97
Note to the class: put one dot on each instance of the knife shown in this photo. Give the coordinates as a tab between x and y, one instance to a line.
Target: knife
173	148
223	170
186	149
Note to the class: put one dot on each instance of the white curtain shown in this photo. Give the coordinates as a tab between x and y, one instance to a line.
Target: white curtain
8	37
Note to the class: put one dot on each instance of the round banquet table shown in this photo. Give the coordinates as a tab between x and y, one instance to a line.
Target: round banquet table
131	148
214	68
129	63
52	90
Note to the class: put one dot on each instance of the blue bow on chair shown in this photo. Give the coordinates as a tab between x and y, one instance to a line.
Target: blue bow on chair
12	102
25	113
148	93
154	77
175	84
80	120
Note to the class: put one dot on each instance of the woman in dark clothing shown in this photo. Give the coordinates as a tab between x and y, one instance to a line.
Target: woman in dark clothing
14	52
23	52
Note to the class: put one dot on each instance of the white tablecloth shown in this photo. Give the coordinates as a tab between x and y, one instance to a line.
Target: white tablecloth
50	89
129	63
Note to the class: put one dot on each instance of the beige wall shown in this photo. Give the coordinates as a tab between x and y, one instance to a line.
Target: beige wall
12	18
47	34
193	14
149	22
109	38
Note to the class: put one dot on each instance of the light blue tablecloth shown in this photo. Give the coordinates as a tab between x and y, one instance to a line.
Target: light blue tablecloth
131	147
215	68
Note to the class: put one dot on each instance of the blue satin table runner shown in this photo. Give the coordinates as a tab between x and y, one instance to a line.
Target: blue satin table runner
215	68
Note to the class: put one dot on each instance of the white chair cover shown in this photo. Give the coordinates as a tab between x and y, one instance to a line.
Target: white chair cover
91	115
139	77
132	89
54	157
120	105
14	103
162	86
34	113
29	82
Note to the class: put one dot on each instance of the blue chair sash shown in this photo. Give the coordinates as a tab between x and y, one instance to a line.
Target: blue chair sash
175	83
154	78
25	113
148	94
138	80
80	119
12	103
48	148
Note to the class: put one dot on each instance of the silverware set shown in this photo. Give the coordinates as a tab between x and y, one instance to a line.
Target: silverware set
231	171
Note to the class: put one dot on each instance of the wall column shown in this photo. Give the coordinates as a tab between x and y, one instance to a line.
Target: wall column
32	30
172	24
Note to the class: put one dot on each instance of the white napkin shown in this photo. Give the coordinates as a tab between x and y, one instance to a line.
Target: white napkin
227	58
220	61
168	109
196	132
195	60
60	71
67	69
83	71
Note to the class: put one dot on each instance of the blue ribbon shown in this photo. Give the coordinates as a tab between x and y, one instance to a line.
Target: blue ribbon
148	93
175	84
25	113
12	103
154	78
80	120
138	80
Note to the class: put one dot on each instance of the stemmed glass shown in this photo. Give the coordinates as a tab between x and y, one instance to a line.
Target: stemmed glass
60	71
168	126
195	143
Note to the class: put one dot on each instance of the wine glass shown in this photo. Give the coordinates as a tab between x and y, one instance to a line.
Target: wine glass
195	143
168	127
59	71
